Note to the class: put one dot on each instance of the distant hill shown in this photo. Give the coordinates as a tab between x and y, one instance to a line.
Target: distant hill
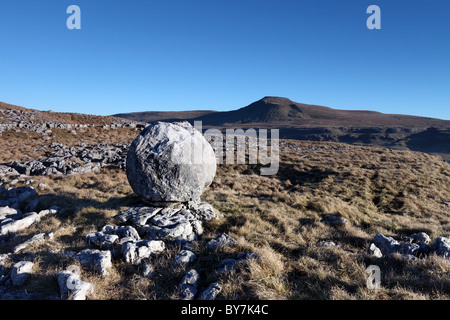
318	123
284	112
151	116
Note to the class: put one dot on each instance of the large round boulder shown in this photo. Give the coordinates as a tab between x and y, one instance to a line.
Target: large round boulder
170	162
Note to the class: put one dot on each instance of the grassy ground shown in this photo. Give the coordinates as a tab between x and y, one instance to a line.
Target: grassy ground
396	193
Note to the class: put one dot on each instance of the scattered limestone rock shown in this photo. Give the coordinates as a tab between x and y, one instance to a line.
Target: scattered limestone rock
203	211
101	240
7	171
41	237
72	287
135	252
231	264
221	241
20	272
412	246
20	224
110	236
227	265
178	223
148	270
184	258
138	216
421	236
374	250
387	245
334	220
441	246
4	275
211	292
326	243
188	285
99	260
8	211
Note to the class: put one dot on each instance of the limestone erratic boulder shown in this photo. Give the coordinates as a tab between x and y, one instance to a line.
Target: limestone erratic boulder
170	162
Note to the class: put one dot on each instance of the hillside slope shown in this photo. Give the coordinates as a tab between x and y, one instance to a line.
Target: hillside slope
318	123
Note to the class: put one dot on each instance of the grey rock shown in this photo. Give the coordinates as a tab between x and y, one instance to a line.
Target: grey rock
138	216
99	260
168	217
188	285
41	237
211	292
231	264
221	241
374	250
4	275
153	223
409	249
135	252
325	243
72	287
4	258
18	225
441	246
101	240
422	236
170	162
122	232
334	220
247	256
181	230
409	256
227	265
8	211
110	236
416	238
148	270
203	211
387	245
183	258
424	248
20	272
46	212
7	171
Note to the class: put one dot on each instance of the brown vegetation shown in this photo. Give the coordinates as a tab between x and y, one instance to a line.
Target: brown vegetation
378	190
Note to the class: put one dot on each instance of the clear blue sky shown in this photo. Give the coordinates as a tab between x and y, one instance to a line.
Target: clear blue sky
224	54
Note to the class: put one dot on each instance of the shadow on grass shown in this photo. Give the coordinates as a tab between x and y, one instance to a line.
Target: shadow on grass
72	205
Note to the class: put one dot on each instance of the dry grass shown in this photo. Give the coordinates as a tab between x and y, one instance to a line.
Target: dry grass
396	193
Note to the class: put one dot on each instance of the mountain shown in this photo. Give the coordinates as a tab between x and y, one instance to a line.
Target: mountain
151	116
284	112
319	123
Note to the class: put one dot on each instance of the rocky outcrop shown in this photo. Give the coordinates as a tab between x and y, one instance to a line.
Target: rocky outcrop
97	260
32	121
13	202
182	222
413	246
70	160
